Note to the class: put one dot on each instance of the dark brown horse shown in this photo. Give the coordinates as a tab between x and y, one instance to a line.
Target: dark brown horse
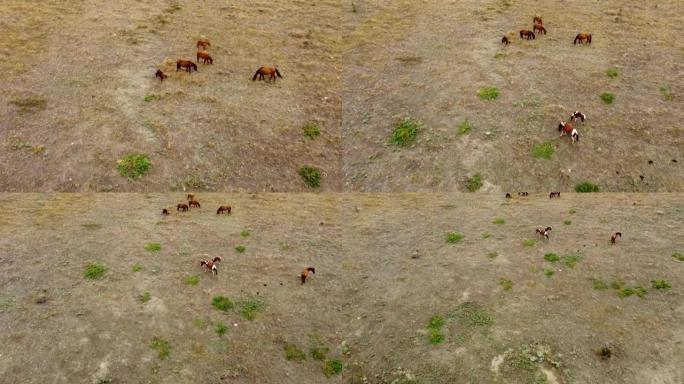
165	212
187	64
505	41
194	204
224	209
527	34
305	274
583	37
554	194
267	71
615	237
578	116
537	20
539	28
203	43
508	196
160	75
182	207
204	55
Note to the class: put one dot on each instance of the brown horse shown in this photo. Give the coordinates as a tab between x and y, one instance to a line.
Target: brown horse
182	207
615	237
165	212
194	204
578	116
191	196
508	196
582	37
305	274
567	128
204	55
267	71
203	43
543	232
527	34
224	209
211	265
537	20
539	28
187	64
554	194
160	75
505	41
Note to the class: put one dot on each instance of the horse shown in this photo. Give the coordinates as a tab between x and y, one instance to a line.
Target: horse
527	34
554	194
305	273
211	265
537	20
508	196
582	37
190	197
577	115
182	207
204	55
615	237
161	75
267	71
505	41
544	232
523	193
566	128
203	43
540	28
165	212
224	209
194	204
187	64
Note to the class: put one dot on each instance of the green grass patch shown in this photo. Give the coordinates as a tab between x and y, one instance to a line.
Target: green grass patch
153	247
506	284
405	132
472	314
488	93
29	104
586	187
249	308
629	291
666	93
136	267
311	130
612	72
240	249
492	255
436	322
617	284
543	150
607	97
333	367
599	285
552	257
474	182
191	280
499	221
95	271
319	353
678	256
571	260
436	337
567	222
486	235
144	297
245	233
162	347
464	127
310	175
454	237
660	284
293	353
151	97
221	329
133	165
528	243
221	303
573	211
549	273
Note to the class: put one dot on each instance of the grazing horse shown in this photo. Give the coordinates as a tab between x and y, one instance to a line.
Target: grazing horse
182	207
224	209
165	212
523	193
508	196
305	273
582	37
578	116
505	41
554	194
527	34
160	75
204	55
211	265
544	232
194	203
615	237
191	196
566	128
537	20
187	64
203	43
539	28
267	71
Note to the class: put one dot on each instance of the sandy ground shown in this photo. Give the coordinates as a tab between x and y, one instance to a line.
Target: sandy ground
383	270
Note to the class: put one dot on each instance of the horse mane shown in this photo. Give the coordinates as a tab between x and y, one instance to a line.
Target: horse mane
257	73
311	269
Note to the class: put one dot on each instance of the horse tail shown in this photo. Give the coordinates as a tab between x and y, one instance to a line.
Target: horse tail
256	74
590	38
278	73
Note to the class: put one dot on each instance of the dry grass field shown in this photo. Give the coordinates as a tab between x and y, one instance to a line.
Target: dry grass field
428	60
393	301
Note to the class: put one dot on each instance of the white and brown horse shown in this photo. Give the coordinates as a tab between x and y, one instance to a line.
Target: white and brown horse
577	115
543	232
615	237
567	128
305	273
211	265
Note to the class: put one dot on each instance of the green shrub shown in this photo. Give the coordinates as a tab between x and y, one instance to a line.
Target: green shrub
221	329
333	367
571	260
436	337
245	233
293	353
667	93
310	175
222	303
599	285
240	248
153	247
151	97
528	243
492	255
499	221
679	256
586	187
567	222
552	257
136	267
311	130
488	93
454	237
405	132
660	284
319	353
612	73
144	297
474	183
251	307
191	280
506	284
543	150
436	322
133	165
549	273
464	127
607	97
162	347
95	271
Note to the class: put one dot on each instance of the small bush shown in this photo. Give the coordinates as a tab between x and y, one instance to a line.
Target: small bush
251	307
240	248
528	243
436	337
405	132
319	353
617	284
136	267
474	183
492	255
499	221
543	150
153	247
571	260
191	280
310	175
293	353
245	233
221	329
573	211
549	273
567	222
133	165
222	303
667	93
144	297
162	347
333	367
506	284
454	237
612	73
660	284
488	93
586	187
311	130
679	256
436	322
552	257
607	97
486	235
599	285
464	127
95	271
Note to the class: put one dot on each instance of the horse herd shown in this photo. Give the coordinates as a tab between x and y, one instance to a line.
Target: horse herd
211	264
582	37
203	54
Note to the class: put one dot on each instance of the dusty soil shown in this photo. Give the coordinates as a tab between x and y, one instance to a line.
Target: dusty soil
77	75
383	269
429	59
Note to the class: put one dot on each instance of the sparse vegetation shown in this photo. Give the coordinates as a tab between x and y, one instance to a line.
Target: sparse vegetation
488	93
571	260
293	353
333	367
454	237
629	291
405	132
144	297
311	130
552	257
464	127
133	165
486	235
617	284
153	247
678	256
162	347
221	329
222	303
310	175
573	211
607	97
319	353
667	93
506	284
434	327
191	280
599	285
499	221
567	222
585	187
492	255
472	314
151	97
95	271
240	249
29	104
136	267
474	183
245	233
528	243
612	72
543	150
549	273
660	284
249	308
